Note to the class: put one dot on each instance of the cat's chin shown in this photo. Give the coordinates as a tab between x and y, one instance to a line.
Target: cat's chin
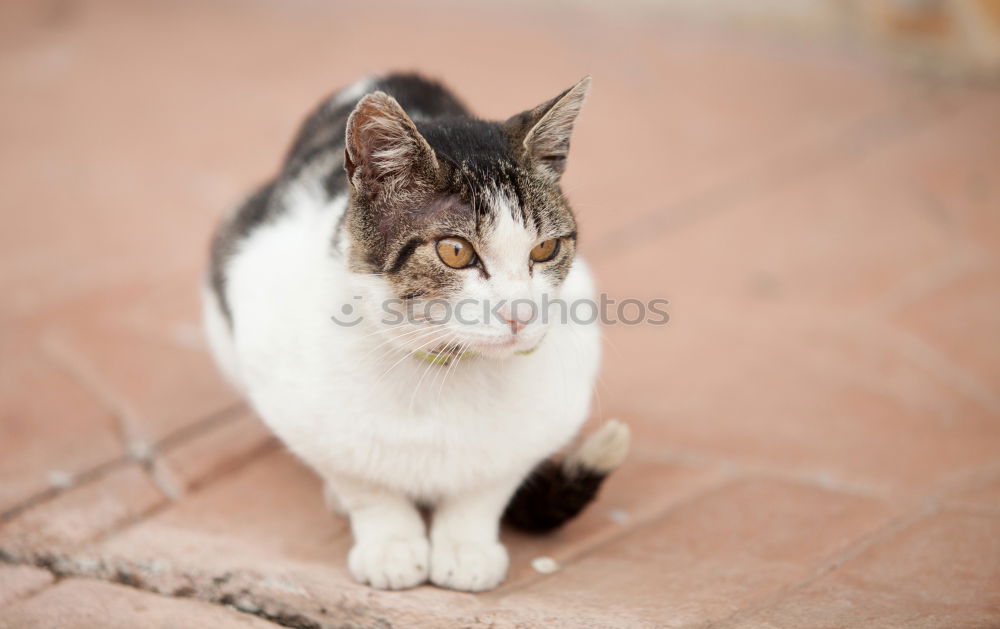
505	348
499	348
496	351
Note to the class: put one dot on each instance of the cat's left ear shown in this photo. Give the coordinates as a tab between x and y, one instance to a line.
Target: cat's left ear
546	129
384	152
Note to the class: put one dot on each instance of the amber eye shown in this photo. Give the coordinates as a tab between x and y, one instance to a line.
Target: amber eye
545	251
456	252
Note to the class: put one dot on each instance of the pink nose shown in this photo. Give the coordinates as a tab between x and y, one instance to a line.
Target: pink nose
518	316
515	325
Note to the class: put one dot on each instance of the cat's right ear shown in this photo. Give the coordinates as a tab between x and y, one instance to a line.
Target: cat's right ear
545	131
384	152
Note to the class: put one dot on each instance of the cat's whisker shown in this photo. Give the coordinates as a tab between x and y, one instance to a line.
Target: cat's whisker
378	330
409	335
458	352
401	340
611	343
430	365
429	343
382	330
388	347
400	345
449	342
461	350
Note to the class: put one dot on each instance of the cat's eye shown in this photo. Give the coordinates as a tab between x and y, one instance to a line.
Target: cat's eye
545	251
456	252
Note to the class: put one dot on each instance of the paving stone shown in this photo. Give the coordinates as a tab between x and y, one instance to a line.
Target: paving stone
17	582
809	241
51	428
231	438
913	561
939	573
81	604
838	602
983	494
265	537
947	166
268	514
685	138
709	558
633	495
960	320
839	402
140	346
766	357
68	521
268	523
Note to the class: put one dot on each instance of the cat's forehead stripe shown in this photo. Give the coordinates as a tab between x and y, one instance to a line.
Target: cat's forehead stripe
507	208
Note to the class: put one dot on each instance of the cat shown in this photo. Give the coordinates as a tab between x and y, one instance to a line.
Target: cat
323	308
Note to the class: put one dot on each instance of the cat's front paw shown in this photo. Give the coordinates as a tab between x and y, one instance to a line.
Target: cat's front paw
468	566
390	564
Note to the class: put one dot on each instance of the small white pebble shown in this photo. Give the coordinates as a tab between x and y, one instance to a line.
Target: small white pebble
245	604
544	565
140	451
618	516
60	479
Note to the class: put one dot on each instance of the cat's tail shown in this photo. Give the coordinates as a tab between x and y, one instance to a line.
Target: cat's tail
556	492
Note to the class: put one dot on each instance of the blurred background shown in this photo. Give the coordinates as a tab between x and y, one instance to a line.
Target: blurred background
813	184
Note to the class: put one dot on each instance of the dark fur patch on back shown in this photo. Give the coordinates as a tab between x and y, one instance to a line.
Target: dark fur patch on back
421	97
255	211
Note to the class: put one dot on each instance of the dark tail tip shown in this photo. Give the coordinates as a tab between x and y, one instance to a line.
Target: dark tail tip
555	493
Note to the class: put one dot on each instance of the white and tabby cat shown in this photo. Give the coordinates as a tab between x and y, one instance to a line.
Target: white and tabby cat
394	199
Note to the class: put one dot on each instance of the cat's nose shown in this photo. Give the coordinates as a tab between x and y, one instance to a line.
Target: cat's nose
515	325
518	316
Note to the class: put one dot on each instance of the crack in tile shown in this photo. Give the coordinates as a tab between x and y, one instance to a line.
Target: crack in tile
738	469
188	432
131	428
927	280
75	365
85	477
858	546
149	459
922	353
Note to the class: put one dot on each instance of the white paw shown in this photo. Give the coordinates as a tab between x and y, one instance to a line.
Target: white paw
390	564
468	566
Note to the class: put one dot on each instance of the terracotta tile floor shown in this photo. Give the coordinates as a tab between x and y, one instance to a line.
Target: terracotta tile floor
817	429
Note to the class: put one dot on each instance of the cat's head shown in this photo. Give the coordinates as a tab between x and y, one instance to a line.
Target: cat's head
458	227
